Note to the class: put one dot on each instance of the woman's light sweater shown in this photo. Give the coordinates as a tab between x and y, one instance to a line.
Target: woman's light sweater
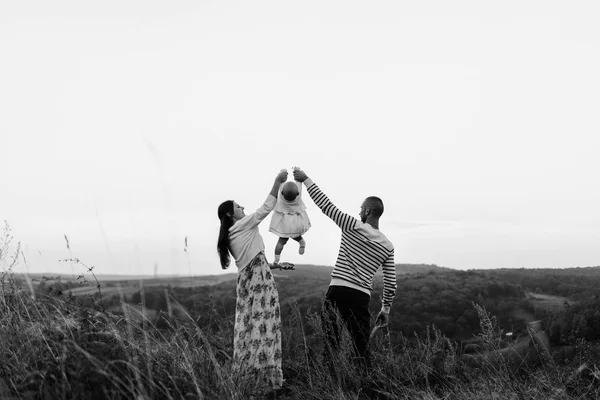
245	241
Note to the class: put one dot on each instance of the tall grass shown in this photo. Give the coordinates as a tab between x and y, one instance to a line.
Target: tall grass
57	347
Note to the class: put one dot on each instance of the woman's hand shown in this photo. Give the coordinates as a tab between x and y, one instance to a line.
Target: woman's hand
279	179
282	176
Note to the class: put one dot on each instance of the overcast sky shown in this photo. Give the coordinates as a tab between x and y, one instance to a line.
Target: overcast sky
124	124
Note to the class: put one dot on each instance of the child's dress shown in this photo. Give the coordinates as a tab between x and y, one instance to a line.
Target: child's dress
289	218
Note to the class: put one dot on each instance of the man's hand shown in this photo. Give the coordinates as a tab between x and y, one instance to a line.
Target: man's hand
382	319
380	322
300	175
282	176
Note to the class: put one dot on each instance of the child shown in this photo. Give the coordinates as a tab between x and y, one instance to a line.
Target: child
289	218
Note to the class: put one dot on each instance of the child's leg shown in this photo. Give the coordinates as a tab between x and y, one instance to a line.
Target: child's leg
302	242
279	248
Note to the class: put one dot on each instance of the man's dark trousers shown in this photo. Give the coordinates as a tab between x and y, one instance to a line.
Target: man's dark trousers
353	308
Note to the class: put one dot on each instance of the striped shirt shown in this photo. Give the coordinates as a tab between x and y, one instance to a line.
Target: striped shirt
363	249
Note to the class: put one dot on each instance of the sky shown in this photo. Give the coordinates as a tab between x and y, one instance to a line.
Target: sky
124	124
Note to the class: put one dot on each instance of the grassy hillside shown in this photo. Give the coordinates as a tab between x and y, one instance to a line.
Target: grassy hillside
171	338
55	346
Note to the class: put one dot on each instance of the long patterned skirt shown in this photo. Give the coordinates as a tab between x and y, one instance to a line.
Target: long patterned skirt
257	331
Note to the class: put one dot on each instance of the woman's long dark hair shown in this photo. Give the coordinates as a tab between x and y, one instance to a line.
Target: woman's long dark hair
226	217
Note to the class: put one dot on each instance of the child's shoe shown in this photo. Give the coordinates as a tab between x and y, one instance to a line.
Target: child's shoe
302	247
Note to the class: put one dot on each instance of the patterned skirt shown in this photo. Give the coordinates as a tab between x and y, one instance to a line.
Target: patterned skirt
257	331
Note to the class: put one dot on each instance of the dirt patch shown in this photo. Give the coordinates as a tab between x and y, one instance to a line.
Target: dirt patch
548	302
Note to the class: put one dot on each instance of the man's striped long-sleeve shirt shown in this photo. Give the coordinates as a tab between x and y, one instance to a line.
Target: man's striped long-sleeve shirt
363	249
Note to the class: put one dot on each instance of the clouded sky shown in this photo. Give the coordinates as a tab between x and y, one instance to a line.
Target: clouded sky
123	125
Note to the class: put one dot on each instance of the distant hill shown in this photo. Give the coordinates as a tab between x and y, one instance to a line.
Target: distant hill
324	272
574	271
419	268
427	294
307	270
37	277
302	270
576	284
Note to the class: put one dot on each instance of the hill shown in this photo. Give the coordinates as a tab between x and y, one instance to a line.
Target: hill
420	268
301	269
576	284
433	311
54	346
427	294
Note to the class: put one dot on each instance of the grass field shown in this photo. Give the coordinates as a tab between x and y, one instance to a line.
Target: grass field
54	346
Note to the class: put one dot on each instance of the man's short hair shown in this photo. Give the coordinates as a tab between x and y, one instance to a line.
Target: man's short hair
375	204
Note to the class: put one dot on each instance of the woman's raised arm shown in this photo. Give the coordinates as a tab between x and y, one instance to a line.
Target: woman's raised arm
279	179
266	208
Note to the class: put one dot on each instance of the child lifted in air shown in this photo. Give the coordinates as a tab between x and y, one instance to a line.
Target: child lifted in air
289	218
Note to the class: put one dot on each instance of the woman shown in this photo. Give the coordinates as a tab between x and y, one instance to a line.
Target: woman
257	331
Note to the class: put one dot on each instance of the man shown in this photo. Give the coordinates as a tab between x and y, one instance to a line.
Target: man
363	250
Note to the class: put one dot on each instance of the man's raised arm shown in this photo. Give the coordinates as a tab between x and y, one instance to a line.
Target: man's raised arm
343	220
